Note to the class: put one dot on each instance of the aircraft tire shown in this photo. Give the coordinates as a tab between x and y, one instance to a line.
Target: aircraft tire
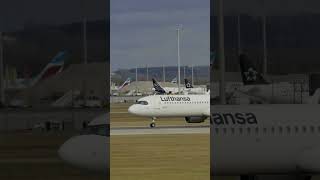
152	125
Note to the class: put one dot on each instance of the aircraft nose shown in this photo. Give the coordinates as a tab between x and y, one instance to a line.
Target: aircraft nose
67	150
85	151
132	109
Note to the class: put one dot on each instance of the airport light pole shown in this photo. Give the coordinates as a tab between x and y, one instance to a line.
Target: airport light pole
2	96
136	74
264	37
239	34
85	50
220	53
184	72
164	73
84	31
147	73
265	55
192	75
179	27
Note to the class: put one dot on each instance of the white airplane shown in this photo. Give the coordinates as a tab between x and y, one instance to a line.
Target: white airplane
193	90
257	140
194	108
115	90
165	90
90	150
126	83
256	86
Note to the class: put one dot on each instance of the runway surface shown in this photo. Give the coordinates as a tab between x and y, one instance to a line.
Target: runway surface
160	130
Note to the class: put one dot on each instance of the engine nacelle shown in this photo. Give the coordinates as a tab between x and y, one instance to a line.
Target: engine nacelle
195	119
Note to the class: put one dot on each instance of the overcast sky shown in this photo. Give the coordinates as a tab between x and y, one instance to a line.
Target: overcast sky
14	14
271	7
143	32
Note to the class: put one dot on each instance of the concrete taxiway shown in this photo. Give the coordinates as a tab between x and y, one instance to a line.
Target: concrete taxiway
160	130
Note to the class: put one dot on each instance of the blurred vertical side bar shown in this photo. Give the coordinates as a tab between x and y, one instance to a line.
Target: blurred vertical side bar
212	56
108	82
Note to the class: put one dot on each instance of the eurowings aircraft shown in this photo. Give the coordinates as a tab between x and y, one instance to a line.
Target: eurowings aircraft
54	67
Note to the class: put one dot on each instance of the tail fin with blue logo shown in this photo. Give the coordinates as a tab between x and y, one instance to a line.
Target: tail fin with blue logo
187	84
249	73
157	87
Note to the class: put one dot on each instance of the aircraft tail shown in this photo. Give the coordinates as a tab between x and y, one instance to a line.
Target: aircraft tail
174	80
157	87
54	67
187	84
249	73
126	83
315	99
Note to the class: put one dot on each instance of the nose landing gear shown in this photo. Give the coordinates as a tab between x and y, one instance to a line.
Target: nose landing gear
153	124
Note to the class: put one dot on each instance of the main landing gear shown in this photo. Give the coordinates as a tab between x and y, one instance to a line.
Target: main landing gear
153	124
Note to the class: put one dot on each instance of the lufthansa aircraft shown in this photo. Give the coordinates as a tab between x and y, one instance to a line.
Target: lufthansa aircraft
194	108
251	140
257	87
193	90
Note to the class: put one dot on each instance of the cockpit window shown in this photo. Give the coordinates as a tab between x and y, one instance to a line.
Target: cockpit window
102	130
142	102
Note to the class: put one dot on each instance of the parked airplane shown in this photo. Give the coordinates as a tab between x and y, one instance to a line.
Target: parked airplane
257	87
90	150
252	140
194	108
51	69
193	90
157	88
165	90
115	90
126	83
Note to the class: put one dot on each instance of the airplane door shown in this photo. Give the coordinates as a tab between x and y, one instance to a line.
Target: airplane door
156	104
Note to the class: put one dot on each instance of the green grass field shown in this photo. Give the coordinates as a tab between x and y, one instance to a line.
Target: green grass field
156	157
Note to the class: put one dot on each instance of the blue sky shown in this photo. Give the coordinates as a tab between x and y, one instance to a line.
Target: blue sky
143	32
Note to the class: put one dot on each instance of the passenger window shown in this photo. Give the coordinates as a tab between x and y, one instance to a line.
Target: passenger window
217	130
304	129
280	130
248	130
288	129
311	129
265	130
240	130
296	128
225	130
232	130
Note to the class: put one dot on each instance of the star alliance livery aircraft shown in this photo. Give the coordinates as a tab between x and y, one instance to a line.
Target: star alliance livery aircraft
258	89
194	108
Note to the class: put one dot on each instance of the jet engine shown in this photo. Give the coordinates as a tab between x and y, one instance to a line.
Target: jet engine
195	119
